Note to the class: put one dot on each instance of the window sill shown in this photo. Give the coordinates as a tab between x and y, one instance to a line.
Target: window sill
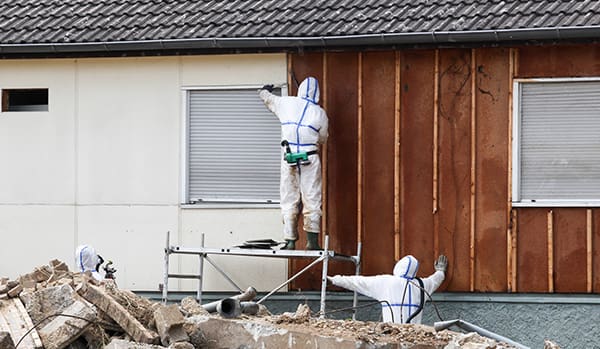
557	203
229	205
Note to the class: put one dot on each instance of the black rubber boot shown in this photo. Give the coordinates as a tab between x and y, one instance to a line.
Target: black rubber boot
312	241
290	245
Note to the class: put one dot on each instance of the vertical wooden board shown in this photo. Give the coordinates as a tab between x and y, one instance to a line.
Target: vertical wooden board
491	171
559	61
378	103
416	153
570	252
342	95
596	250
305	65
455	165
532	250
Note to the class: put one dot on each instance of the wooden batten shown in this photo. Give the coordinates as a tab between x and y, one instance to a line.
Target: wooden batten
359	161
473	174
397	158
550	226
510	213
436	102
589	248
324	153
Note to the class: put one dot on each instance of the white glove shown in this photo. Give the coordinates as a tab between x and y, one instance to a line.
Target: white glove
441	264
330	278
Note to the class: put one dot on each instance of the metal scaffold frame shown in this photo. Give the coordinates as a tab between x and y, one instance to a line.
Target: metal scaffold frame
203	253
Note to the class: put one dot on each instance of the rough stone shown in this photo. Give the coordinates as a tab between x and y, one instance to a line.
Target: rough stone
63	330
6	341
195	333
191	307
3	288
124	344
117	312
47	301
181	345
169	323
13	292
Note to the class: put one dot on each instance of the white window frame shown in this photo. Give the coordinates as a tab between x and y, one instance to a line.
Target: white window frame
184	170
516	159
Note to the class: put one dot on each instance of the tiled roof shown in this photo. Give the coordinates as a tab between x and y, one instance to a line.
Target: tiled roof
27	22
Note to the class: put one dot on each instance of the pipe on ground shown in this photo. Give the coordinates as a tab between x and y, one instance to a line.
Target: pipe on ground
467	326
248	295
232	308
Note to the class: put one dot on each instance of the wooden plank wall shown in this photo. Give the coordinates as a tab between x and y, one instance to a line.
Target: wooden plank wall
419	162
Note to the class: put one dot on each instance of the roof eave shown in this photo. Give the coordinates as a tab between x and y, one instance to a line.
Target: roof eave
420	38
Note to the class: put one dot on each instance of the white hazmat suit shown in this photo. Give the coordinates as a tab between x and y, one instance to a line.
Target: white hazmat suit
86	259
303	125
400	290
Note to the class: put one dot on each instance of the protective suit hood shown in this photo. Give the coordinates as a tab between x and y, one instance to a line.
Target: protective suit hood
86	259
309	90
406	267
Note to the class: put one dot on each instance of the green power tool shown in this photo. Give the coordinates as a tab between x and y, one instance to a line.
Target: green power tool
293	158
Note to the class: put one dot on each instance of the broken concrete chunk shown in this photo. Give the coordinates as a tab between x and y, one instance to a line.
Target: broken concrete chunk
181	345
48	301
12	284
123	344
13	292
169	323
63	330
117	312
6	341
59	265
3	288
191	307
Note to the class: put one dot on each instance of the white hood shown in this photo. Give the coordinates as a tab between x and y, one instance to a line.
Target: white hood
309	90
86	259
406	267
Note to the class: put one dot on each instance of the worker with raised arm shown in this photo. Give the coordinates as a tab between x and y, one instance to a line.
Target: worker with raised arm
402	294
303	128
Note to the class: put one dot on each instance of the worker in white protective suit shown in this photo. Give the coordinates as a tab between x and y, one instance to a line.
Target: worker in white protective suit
303	128
401	294
86	259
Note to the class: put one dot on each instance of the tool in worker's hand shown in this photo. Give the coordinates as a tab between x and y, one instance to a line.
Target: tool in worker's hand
109	271
294	158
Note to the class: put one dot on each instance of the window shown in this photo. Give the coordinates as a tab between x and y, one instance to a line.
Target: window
556	142
34	99
232	147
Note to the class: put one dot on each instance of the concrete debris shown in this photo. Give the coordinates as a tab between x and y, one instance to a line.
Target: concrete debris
550	345
75	311
169	322
6	341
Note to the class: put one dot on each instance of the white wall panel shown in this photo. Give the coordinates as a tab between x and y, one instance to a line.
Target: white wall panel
129	114
226	228
37	148
219	70
132	237
32	235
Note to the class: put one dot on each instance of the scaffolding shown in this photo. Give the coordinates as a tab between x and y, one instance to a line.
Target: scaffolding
320	256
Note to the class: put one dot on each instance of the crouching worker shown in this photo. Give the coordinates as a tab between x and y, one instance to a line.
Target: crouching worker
402	294
87	260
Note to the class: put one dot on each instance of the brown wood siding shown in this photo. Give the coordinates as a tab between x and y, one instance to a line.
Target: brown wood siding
570	259
559	61
596	250
449	109
455	165
492	145
378	98
416	153
532	251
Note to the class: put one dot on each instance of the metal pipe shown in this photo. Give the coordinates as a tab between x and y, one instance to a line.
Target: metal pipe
248	295
442	325
165	286
232	308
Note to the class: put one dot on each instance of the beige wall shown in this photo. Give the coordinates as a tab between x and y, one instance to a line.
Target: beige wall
103	167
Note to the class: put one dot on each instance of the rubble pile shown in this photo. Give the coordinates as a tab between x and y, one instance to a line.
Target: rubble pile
54	308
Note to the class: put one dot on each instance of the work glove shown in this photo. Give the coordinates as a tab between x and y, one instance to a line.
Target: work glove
268	88
330	278
441	264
